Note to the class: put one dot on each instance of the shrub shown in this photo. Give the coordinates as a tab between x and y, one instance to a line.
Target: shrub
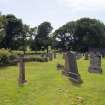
36	59
5	57
11	58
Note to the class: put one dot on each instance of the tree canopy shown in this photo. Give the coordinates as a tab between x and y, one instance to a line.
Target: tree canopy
13	29
64	36
2	27
42	39
89	33
81	35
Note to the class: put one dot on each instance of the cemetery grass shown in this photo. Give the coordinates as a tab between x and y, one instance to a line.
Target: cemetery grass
47	86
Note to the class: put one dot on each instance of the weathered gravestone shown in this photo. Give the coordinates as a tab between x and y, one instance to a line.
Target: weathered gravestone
54	55
78	55
42	55
71	69
95	62
50	56
21	70
60	67
86	56
63	55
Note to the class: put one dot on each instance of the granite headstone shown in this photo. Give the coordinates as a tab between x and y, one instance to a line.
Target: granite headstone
95	62
71	68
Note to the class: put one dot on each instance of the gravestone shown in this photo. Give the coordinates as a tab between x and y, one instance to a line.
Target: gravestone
103	55
50	56
78	55
102	50
86	57
70	68
60	66
95	62
54	55
63	55
42	55
46	55
21	70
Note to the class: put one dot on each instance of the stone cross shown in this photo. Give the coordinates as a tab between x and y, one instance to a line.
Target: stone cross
21	70
95	62
71	68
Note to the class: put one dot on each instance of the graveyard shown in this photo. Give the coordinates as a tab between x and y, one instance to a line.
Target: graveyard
52	52
47	86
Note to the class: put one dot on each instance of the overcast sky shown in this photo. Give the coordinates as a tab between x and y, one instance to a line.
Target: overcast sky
58	12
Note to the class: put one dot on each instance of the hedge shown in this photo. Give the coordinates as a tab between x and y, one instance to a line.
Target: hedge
10	58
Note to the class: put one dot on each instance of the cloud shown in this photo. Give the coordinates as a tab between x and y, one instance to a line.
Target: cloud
1	1
5	1
78	5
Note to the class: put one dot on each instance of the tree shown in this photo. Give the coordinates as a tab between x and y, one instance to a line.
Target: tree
42	39
24	38
89	33
33	33
64	36
81	35
13	30
2	27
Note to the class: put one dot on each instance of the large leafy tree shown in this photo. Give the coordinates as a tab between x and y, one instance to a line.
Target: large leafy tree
89	33
81	35
42	39
13	30
64	36
31	41
20	40
2	27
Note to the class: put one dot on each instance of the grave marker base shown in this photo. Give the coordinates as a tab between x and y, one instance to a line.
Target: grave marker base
95	70
73	76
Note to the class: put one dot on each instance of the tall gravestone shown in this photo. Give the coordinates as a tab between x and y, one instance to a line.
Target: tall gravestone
95	62
21	70
71	68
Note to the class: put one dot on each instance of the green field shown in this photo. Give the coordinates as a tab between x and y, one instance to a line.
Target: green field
47	86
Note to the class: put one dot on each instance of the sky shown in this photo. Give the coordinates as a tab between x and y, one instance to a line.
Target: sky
58	12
